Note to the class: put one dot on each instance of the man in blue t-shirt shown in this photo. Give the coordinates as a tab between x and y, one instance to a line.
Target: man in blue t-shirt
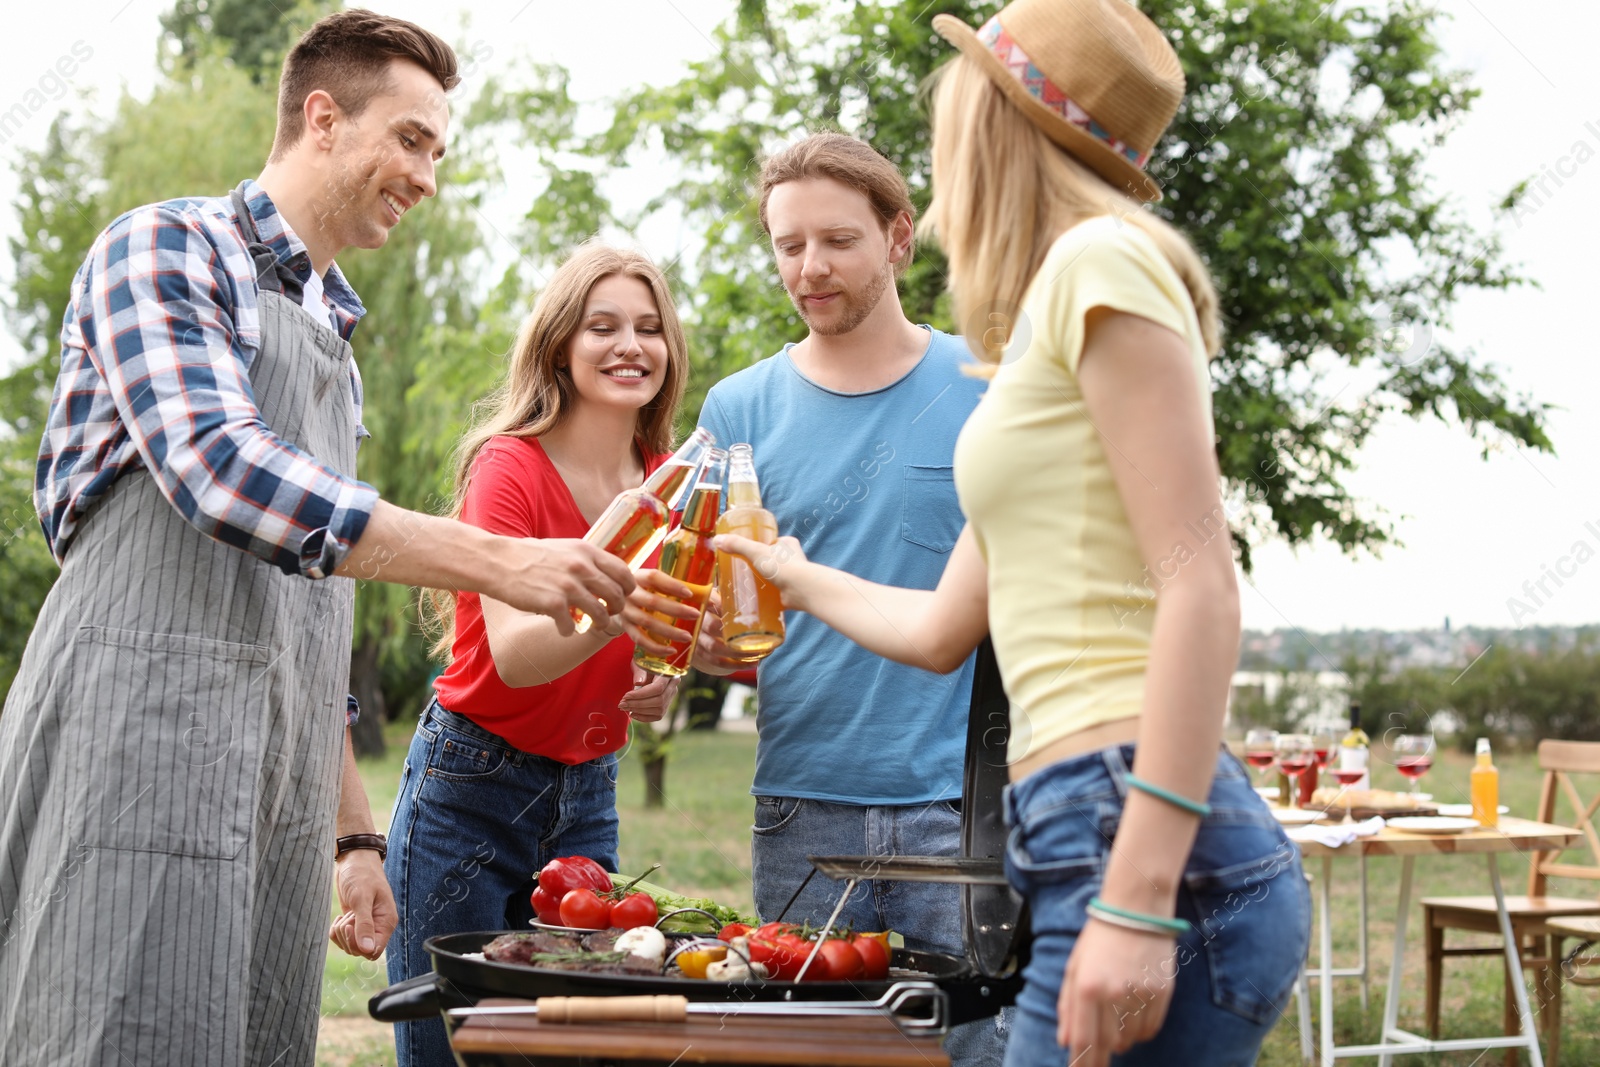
853	430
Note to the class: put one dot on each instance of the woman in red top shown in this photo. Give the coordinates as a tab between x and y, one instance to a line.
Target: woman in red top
514	762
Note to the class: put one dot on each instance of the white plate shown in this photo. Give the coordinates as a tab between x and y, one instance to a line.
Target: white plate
1432	824
1297	816
1269	792
1464	811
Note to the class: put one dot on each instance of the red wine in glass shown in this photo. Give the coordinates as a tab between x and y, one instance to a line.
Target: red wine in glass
1296	765
1259	760
1347	775
1413	767
1322	754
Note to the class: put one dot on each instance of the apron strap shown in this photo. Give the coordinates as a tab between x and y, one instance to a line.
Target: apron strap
272	275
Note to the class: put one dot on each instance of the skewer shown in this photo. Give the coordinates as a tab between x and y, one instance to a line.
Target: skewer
850	887
895	1002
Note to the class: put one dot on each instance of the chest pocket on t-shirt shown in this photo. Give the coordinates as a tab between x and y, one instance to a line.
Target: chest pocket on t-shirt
931	512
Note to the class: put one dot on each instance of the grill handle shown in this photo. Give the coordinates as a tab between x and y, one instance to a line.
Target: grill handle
662	1008
414	998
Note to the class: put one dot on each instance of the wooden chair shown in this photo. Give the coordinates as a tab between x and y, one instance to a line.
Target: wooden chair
1531	915
1581	966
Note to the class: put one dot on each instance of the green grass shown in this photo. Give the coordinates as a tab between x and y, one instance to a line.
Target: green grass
702	839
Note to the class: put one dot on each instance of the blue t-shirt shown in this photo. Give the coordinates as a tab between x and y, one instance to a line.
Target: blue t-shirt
864	480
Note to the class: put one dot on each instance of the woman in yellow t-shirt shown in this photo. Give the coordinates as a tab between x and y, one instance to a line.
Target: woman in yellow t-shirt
1170	914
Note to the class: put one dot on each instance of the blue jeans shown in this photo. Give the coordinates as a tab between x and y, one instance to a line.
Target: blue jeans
926	914
1243	891
474	821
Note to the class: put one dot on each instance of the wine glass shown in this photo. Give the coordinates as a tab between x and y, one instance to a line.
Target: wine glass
1324	742
1295	756
1259	749
1413	756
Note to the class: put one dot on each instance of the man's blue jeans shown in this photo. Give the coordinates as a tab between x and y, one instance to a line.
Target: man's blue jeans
926	914
1243	890
475	819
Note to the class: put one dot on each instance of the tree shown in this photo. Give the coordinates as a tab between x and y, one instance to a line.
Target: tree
1296	165
253	35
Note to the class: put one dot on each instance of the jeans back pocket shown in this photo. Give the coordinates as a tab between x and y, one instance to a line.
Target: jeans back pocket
1254	922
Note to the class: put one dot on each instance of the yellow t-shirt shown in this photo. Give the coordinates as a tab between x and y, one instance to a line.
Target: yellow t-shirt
1071	603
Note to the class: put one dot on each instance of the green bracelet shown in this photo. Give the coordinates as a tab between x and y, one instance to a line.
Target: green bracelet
1176	927
1194	807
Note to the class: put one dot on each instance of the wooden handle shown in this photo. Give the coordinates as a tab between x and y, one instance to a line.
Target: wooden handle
649	1009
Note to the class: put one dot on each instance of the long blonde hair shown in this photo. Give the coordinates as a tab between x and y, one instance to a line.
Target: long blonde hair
1003	192
537	393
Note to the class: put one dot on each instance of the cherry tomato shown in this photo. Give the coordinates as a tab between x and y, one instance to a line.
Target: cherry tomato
873	956
585	909
768	931
565	873
547	906
635	909
798	951
844	962
779	949
732	930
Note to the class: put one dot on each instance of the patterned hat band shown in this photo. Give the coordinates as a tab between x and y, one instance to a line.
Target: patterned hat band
1047	93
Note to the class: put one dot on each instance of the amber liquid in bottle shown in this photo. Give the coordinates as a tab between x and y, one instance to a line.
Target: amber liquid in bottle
636	521
752	613
687	555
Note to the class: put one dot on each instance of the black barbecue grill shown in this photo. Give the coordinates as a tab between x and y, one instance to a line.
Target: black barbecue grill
994	923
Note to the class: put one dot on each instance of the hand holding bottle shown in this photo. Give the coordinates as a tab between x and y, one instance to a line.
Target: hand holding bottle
780	563
655	601
712	654
558	577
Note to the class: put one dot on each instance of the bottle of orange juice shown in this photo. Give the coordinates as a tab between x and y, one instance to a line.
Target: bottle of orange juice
1485	787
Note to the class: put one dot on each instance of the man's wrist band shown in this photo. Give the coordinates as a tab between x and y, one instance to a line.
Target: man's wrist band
1137	921
377	842
1194	807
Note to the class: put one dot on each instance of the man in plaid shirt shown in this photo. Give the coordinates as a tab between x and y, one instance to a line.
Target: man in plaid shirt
192	412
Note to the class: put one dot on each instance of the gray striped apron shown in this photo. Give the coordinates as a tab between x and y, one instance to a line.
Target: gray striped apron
169	767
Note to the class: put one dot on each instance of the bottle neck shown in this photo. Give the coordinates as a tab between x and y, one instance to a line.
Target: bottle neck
744	495
667	481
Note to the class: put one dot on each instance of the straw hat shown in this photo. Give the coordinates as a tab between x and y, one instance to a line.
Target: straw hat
1096	76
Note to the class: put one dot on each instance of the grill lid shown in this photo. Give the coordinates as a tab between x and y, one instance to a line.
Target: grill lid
994	923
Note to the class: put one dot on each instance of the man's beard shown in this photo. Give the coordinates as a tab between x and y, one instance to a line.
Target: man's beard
346	195
855	305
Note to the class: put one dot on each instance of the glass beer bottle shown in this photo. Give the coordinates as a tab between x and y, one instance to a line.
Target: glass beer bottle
635	522
752	613
687	555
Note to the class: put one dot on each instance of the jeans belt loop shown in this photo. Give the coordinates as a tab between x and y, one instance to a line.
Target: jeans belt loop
1117	767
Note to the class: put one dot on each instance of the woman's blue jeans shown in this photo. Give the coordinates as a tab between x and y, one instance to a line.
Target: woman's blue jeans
1243	891
474	821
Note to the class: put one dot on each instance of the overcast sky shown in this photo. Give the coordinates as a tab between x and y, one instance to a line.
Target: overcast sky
1507	541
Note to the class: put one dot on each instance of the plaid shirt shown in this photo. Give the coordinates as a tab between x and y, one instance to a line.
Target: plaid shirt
156	348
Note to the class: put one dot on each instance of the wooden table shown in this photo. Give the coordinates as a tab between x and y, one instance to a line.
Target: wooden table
1512	835
760	1041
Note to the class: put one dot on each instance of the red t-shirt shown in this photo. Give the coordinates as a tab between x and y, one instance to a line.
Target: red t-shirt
516	491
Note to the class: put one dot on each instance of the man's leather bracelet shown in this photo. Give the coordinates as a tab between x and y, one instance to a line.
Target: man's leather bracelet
377	842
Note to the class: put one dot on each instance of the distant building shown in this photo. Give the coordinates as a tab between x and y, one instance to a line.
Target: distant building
1320	698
